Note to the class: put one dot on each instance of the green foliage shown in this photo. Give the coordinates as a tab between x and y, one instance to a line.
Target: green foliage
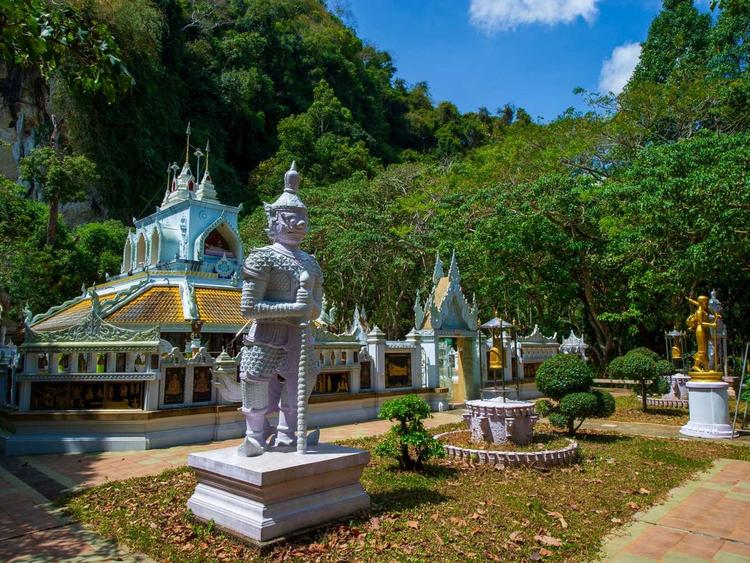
56	38
643	366
63	178
567	380
407	441
564	374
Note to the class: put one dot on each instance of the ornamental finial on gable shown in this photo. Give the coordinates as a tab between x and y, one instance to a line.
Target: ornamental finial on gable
453	274
437	273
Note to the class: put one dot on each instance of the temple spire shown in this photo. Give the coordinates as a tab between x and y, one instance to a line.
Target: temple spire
187	144
438	271
453	274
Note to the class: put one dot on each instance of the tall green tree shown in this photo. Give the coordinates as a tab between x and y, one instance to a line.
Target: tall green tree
62	178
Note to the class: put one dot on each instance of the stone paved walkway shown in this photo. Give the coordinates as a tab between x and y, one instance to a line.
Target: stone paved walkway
32	530
707	519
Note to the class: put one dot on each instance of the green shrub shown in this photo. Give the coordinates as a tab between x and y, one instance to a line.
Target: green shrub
567	380
407	441
563	374
644	367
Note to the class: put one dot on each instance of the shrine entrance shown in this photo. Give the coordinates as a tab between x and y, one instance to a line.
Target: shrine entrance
457	367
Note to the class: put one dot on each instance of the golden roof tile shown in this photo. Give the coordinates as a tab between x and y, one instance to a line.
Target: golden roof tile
156	305
70	316
219	306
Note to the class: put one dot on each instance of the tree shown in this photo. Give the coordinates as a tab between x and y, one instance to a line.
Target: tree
63	179
642	366
566	380
99	246
409	435
55	38
678	40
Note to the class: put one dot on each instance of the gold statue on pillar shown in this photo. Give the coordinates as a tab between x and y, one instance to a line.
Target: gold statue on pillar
700	321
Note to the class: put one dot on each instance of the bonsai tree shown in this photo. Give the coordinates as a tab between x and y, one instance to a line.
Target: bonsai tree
566	380
644	367
408	442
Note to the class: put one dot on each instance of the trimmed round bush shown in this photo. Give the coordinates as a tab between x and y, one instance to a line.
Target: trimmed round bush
642	366
563	374
579	405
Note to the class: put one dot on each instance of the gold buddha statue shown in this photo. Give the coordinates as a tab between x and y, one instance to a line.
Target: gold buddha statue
700	321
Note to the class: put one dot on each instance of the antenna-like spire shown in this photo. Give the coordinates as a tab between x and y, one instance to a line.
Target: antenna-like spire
198	154
208	151
187	143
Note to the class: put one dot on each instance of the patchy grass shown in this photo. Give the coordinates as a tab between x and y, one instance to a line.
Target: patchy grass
540	441
628	409
450	512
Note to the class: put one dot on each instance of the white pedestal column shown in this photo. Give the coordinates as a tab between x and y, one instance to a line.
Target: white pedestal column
709	410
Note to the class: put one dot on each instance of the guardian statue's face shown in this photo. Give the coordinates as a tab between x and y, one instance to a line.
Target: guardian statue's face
288	226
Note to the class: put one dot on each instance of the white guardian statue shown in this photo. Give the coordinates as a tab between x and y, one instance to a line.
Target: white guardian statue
281	294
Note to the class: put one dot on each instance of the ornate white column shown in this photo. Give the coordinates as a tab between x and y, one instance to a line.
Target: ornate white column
376	349
416	359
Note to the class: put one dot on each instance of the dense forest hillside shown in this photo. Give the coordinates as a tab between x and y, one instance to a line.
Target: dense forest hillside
603	221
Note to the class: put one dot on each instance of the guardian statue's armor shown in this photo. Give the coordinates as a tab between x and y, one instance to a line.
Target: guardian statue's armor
281	293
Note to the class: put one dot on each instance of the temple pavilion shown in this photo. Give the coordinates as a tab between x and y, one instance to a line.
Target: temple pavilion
148	358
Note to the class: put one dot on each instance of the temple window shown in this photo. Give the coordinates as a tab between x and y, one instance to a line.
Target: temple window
217	245
101	363
63	363
154	361
127	256
174	386
201	384
365	377
334	382
397	370
139	363
121	360
154	247
140	251
42	362
83	363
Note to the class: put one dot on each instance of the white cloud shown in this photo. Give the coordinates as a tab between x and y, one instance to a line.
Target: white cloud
499	15
617	69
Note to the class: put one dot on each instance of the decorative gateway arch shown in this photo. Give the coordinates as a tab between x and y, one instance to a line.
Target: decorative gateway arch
446	326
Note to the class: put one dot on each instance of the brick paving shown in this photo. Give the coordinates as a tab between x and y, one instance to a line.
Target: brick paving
707	519
32	530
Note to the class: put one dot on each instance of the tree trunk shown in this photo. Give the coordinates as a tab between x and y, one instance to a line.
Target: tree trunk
54	201
571	427
54	204
643	395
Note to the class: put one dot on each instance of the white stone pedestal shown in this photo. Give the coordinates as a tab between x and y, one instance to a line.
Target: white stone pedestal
709	410
279	493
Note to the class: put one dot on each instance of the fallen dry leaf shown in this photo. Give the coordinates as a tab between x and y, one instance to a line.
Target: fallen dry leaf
548	540
413	524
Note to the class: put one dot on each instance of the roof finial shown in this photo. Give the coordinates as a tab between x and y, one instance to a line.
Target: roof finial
437	273
187	144
208	151
291	179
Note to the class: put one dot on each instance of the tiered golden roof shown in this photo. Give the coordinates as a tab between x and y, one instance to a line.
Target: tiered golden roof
70	316
156	305
219	306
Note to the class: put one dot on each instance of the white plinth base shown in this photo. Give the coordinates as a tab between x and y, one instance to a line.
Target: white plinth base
709	410
279	493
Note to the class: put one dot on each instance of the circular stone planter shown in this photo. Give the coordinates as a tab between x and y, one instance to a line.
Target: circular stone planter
667	403
542	458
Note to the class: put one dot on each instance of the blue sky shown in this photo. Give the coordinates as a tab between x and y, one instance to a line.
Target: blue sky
531	53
